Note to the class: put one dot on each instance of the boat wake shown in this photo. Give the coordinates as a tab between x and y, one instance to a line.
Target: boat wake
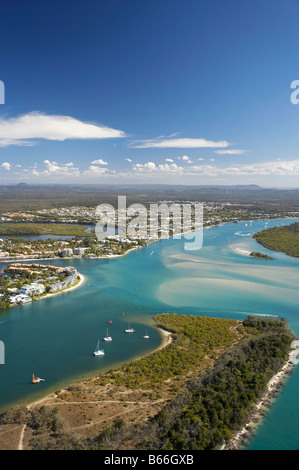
243	234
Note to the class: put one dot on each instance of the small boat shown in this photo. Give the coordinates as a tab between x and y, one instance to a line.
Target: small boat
146	336
98	351
107	337
109	321
36	380
129	330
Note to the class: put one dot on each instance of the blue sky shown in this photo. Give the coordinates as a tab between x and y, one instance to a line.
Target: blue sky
159	91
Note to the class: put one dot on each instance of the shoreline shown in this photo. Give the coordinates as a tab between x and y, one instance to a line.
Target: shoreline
68	258
239	441
236	250
108	256
264	405
68	289
167	338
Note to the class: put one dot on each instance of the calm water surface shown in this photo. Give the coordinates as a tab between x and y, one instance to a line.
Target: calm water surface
55	337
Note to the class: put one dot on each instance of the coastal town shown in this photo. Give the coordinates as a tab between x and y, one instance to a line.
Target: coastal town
18	249
69	232
23	283
214	211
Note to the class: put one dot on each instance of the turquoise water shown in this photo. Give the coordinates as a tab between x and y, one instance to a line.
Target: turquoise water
55	337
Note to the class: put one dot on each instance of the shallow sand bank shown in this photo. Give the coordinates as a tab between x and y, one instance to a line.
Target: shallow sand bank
240	251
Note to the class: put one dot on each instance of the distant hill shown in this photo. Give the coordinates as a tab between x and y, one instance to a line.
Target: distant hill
24	196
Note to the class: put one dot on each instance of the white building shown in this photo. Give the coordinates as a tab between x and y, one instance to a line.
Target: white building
19	299
67	252
79	251
32	289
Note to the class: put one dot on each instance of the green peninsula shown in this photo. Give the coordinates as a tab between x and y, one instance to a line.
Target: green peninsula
284	239
195	393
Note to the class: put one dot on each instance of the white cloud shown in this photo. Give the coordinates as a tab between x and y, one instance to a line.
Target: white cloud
53	168
36	125
151	167
186	159
21	143
169	160
6	165
178	143
230	152
279	168
129	160
200	159
146	166
95	170
99	162
267	171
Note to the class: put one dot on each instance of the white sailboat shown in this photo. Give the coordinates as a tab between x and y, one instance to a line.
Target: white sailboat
129	329
107	337
146	336
98	351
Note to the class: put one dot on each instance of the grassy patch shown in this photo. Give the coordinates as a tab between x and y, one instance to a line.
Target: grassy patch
44	229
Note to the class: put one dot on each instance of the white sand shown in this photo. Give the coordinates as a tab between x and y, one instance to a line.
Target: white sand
272	386
240	251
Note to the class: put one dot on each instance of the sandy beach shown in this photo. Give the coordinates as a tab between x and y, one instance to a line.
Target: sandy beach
240	251
273	385
166	340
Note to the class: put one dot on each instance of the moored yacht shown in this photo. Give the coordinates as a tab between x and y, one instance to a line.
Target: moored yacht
107	337
129	329
98	351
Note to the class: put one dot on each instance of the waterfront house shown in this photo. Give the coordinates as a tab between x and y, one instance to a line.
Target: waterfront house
32	289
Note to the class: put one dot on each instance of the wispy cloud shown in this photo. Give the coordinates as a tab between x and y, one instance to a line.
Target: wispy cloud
178	143
231	152
23	130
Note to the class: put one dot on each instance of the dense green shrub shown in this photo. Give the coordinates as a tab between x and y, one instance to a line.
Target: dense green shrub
285	239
